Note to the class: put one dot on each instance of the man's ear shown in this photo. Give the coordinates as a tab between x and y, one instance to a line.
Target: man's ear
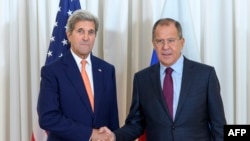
182	42
68	35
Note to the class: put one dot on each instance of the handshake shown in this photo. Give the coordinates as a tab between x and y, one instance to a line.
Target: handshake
102	134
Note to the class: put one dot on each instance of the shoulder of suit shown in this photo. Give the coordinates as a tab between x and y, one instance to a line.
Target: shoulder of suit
149	69
98	60
196	63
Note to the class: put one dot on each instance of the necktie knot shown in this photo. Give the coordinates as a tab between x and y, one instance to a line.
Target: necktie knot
168	71
84	62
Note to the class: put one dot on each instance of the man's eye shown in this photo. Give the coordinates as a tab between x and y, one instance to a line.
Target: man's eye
91	32
80	31
171	40
159	41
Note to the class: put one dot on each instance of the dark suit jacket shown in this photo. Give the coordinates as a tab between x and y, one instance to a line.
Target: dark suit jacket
63	106
199	116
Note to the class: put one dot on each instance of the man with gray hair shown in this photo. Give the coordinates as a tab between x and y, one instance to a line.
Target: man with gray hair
78	91
176	99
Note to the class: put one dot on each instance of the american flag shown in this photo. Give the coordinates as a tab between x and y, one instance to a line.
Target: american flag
58	46
58	40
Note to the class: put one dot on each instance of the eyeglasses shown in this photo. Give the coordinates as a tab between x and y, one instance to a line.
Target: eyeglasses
170	41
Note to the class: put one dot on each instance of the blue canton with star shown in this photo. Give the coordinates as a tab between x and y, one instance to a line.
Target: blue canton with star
58	41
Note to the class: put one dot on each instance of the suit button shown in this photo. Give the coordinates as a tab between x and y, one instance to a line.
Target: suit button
173	127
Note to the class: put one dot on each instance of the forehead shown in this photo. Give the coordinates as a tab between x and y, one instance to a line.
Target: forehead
86	25
166	29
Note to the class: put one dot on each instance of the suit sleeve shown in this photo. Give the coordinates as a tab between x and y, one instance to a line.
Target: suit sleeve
51	117
134	124
216	110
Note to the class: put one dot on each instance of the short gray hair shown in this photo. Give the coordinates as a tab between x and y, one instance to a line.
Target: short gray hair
81	15
167	21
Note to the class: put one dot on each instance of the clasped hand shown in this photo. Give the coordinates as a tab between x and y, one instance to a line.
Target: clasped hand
102	134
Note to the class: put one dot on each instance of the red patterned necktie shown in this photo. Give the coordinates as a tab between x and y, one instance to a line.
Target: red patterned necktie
168	90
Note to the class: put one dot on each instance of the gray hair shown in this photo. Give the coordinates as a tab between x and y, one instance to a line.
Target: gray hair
167	21
81	15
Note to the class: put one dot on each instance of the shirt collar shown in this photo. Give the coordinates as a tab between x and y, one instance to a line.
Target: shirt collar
78	59
177	66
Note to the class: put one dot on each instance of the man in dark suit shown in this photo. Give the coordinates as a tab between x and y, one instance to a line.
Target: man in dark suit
64	107
194	112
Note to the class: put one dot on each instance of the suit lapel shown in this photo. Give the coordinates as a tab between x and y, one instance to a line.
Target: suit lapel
74	75
155	77
97	81
185	85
